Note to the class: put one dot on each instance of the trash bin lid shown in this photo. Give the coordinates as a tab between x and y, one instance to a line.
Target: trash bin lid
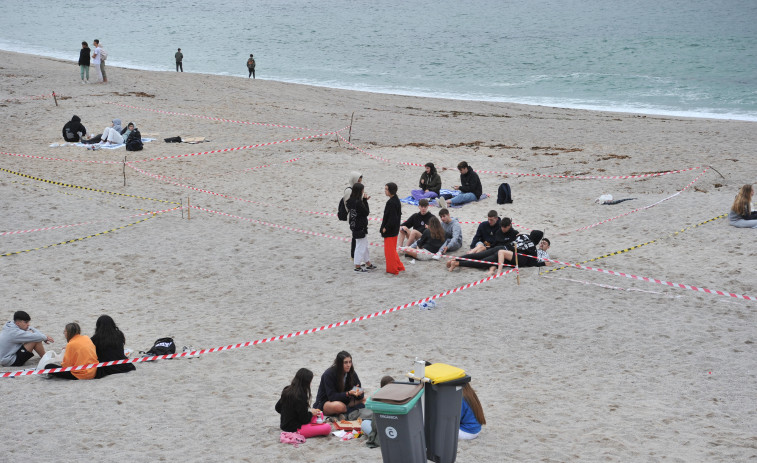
394	409
441	373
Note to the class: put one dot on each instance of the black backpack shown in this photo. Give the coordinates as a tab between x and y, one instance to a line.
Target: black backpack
503	194
342	213
163	346
134	143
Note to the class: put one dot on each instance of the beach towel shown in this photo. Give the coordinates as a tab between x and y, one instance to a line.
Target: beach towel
413	201
104	147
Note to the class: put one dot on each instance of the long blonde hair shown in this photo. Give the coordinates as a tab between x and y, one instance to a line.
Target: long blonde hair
469	395
742	204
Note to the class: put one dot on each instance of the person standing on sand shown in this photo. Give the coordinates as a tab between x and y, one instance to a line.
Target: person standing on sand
179	57
84	62
251	66
102	60
96	61
390	229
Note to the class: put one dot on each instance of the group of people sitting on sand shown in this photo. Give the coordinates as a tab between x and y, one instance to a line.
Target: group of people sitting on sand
75	132
19	341
424	236
340	396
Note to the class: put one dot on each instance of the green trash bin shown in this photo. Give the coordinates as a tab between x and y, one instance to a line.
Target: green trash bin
400	428
443	403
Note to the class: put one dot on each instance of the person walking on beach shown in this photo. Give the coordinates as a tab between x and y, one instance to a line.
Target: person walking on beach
179	57
390	228
84	62
96	60
251	66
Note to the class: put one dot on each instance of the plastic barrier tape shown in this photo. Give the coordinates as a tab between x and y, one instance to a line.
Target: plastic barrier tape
68	185
11	374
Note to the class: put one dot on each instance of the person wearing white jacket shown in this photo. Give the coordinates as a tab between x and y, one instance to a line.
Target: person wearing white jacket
19	341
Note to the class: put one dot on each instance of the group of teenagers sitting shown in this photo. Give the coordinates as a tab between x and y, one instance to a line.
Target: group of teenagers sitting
19	341
75	132
340	396
495	244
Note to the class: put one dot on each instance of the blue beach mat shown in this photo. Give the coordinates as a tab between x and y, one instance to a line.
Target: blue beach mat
414	202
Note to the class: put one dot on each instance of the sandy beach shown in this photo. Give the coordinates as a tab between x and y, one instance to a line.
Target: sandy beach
570	365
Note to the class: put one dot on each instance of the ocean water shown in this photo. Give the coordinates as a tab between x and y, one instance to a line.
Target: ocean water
673	57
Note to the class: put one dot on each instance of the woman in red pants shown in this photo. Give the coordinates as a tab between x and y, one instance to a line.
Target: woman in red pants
390	228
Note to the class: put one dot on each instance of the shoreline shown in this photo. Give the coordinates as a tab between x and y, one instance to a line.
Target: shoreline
454	97
570	365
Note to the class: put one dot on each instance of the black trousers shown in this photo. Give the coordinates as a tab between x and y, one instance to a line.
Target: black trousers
179	66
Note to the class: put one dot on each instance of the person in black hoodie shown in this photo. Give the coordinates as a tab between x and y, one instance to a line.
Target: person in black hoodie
358	210
84	62
294	407
501	255
109	342
74	131
390	228
470	187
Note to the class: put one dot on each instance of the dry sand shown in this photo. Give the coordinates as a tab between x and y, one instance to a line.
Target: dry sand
570	365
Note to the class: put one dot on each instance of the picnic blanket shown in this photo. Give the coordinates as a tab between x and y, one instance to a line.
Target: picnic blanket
104	147
414	202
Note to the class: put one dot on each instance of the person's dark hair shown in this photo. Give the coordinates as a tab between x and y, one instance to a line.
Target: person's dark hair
462	165
179	49
423	202
357	191
250	55
386	380
300	385
430	165
96	41
72	329
492	213
505	222
339	367
392	188
21	316
443	211
85	44
107	333
547	240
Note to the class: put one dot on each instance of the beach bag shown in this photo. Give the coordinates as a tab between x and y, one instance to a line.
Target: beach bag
504	195
163	346
293	438
134	143
342	212
172	140
103	54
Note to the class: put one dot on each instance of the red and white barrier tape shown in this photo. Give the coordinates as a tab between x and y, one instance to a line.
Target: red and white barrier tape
57	227
218	119
640	208
34	97
226	150
44	158
249	169
11	374
659	282
521	174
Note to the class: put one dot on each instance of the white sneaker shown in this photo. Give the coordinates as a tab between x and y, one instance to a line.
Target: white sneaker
441	202
437	256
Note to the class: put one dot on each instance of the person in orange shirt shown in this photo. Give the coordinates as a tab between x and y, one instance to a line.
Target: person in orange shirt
79	351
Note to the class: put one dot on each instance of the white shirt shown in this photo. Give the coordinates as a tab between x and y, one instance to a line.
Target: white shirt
96	53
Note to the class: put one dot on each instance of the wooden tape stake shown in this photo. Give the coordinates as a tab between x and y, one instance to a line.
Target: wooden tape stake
188	208
55	98
517	273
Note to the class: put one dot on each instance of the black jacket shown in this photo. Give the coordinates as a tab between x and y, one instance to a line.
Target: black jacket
84	55
486	233
418	221
470	183
294	412
504	239
328	391
392	218
72	128
358	217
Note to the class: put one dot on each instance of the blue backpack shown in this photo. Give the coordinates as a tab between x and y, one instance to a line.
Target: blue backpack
503	194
